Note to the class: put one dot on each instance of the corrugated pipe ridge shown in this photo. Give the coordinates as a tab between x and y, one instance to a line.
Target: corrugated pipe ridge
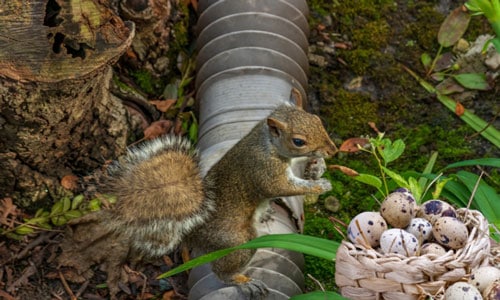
251	53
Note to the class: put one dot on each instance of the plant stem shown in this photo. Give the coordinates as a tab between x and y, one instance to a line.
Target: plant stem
434	61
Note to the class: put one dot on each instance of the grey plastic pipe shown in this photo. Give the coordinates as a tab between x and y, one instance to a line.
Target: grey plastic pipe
251	53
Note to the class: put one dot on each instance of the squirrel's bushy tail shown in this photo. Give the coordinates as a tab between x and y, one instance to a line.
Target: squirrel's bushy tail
160	193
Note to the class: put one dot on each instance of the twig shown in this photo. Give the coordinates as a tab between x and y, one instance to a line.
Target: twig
82	289
44	237
317	282
66	286
474	190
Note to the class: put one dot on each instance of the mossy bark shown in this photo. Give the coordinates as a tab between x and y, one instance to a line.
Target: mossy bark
57	116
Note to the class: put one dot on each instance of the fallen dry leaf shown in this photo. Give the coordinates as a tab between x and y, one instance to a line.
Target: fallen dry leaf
373	126
70	182
347	171
7	208
459	109
163	105
157	129
169	295
353	144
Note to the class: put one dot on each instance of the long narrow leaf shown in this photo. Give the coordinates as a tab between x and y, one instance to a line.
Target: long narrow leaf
456	192
490	162
486	130
296	242
485	199
427	170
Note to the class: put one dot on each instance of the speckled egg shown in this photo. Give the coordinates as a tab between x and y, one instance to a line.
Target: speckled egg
398	241
434	209
484	276
492	291
369	225
421	228
398	208
432	248
450	232
462	291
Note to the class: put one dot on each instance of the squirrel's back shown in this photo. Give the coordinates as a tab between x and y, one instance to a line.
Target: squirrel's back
160	194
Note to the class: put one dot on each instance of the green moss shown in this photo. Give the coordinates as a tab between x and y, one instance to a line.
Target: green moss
349	112
147	82
317	224
424	29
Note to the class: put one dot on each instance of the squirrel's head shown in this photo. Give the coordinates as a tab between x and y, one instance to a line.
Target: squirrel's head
296	133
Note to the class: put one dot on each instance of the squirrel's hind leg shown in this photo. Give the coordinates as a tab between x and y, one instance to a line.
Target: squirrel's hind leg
228	269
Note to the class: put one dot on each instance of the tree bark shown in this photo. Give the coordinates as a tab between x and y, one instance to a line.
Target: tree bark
57	116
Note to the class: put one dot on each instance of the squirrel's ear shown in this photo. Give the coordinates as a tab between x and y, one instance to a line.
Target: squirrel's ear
296	97
275	126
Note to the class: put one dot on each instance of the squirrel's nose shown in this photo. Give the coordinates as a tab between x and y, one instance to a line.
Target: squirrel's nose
331	149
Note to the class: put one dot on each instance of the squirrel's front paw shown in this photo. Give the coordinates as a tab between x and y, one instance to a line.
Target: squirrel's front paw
250	288
324	185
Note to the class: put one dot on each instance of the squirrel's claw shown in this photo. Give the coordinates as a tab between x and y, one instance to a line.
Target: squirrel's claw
253	289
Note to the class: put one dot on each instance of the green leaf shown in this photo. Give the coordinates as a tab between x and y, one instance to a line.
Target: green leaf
426	60
392	151
490	162
427	170
485	199
66	204
193	131
369	179
57	208
318	295
400	181
315	246
73	214
77	201
453	27
473	81
456	192
486	130
59	220
415	188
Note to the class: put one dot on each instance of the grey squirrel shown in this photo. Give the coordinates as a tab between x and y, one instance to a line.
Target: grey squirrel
163	201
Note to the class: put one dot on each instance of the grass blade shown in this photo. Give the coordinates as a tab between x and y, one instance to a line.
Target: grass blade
490	162
296	242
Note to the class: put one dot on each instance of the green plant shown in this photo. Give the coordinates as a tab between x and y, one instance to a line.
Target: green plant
462	188
451	30
59	214
491	10
322	248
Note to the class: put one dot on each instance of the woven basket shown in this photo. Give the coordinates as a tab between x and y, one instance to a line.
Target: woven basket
363	273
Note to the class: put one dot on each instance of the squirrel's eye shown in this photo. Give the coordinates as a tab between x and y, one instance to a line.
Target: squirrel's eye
298	142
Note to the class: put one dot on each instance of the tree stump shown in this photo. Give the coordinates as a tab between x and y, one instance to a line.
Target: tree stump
57	116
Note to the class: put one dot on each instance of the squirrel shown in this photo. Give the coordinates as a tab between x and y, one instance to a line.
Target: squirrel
162	200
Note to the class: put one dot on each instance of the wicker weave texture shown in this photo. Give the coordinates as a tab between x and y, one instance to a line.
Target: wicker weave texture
367	274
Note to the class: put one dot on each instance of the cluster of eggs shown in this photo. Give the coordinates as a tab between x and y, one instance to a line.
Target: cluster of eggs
483	283
431	228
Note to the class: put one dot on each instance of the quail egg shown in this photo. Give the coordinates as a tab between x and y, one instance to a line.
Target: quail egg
492	291
433	209
398	241
398	208
366	227
421	228
462	291
432	248
484	276
450	232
